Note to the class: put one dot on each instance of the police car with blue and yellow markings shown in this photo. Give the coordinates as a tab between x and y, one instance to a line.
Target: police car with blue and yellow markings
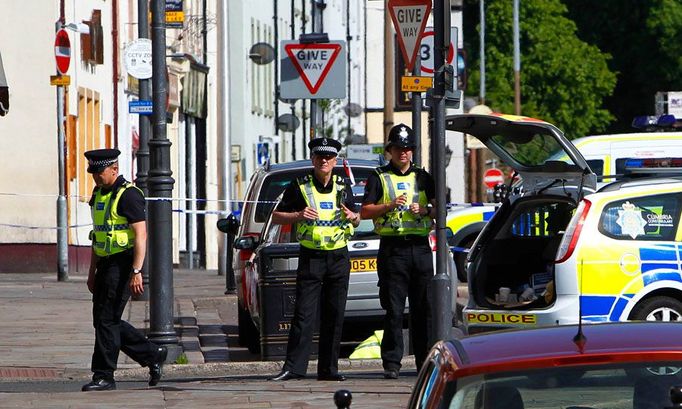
510	262
613	255
621	255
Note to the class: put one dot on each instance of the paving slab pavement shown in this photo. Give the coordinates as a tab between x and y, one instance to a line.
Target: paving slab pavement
47	335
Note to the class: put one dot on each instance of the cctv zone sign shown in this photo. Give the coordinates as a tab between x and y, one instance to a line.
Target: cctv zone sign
313	71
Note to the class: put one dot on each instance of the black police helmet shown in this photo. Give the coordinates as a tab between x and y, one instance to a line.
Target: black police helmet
402	136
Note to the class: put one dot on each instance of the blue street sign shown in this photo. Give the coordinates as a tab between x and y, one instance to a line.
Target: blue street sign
140	107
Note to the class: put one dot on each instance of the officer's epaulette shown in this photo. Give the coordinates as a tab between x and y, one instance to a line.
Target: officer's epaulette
301	180
383	169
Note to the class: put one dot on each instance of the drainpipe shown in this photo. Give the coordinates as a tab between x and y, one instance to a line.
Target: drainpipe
114	41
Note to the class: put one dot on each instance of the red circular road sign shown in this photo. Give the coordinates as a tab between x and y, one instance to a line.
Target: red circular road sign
493	177
62	51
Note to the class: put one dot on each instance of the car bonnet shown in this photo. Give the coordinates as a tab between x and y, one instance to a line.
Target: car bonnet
524	144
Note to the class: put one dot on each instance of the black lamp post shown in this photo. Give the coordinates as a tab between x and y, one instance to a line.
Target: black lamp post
160	184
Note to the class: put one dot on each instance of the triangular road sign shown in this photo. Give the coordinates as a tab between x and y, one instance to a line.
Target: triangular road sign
313	62
409	20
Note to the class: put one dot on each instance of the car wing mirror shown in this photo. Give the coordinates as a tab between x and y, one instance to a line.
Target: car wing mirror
246	243
229	225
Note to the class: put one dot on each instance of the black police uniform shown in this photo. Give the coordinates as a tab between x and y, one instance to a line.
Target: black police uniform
405	269
112	291
321	290
110	297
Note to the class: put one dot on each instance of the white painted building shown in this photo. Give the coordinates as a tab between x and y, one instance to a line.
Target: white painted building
98	98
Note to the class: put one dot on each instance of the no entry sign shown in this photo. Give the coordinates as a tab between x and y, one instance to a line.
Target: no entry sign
493	177
62	51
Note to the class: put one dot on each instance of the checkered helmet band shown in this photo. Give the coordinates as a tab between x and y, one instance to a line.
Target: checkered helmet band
325	150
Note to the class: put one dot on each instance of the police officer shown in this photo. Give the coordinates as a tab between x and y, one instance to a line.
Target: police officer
400	198
322	207
119	240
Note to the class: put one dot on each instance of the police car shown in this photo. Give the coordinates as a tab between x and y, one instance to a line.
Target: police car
613	255
509	263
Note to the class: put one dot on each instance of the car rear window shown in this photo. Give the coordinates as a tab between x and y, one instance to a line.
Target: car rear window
532	149
275	183
642	218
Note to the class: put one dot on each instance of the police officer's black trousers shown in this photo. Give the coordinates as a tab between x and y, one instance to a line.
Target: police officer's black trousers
405	268
321	288
111	333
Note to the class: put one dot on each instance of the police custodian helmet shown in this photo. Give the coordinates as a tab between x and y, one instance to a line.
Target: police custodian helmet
402	136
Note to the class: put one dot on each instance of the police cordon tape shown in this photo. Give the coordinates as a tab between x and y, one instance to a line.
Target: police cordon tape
190	211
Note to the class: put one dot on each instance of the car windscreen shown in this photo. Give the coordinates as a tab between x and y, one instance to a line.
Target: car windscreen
631	386
275	183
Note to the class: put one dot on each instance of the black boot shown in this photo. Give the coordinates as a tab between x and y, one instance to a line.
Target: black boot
157	366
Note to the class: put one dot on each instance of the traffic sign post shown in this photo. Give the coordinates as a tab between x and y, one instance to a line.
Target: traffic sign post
493	177
409	20
62	51
62	56
313	70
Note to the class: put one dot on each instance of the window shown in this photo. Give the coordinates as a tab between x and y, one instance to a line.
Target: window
642	218
531	149
274	185
89	137
542	219
597	166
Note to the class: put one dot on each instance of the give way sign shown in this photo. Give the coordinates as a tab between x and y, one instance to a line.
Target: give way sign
62	51
313	70
409	20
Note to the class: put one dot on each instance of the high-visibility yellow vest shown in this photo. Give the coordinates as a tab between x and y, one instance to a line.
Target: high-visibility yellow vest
370	348
111	232
401	221
331	230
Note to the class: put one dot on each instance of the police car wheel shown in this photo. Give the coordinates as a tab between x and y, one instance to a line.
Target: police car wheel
658	309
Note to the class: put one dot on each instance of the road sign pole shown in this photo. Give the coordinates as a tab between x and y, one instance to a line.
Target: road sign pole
442	294
144	125
62	222
417	114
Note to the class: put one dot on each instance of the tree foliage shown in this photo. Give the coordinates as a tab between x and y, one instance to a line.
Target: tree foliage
645	39
564	80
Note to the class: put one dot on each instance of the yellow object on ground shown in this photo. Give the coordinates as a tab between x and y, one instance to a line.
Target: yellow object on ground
369	348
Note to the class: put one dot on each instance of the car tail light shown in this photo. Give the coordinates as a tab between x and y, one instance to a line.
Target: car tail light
573	230
245	255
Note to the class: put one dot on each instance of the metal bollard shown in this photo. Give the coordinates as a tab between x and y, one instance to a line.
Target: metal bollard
343	398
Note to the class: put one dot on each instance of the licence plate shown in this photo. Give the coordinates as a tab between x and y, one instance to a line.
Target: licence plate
363	264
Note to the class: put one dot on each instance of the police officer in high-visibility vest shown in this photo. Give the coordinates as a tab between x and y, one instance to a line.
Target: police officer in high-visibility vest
400	198
119	240
321	208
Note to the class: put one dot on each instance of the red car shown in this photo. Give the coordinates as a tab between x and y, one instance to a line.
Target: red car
633	365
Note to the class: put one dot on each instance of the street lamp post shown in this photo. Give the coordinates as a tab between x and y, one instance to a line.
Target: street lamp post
160	184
